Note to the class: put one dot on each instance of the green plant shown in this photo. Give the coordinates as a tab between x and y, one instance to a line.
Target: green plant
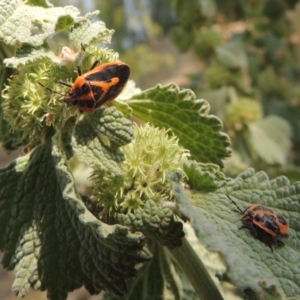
97	202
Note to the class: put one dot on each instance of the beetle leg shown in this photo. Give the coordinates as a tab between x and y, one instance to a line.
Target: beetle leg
95	64
250	227
82	55
267	240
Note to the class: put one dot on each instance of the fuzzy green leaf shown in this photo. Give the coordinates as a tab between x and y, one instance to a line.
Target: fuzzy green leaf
28	55
32	25
203	177
86	33
83	32
250	263
51	240
169	107
97	136
155	221
43	3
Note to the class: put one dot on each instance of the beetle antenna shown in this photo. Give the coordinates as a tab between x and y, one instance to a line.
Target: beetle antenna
235	204
48	89
64	83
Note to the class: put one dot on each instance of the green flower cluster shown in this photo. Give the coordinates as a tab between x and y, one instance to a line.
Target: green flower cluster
148	160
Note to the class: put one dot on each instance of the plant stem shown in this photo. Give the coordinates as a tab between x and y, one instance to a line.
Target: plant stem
196	272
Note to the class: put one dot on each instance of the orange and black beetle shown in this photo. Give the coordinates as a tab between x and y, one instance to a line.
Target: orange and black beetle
99	86
264	220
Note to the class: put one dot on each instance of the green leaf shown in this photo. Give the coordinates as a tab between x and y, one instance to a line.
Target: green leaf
203	177
20	24
43	3
33	49
158	279
251	265
157	222
86	33
51	240
169	107
64	22
29	55
97	136
276	134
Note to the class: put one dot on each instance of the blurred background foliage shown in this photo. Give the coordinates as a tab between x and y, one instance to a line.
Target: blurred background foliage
243	57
